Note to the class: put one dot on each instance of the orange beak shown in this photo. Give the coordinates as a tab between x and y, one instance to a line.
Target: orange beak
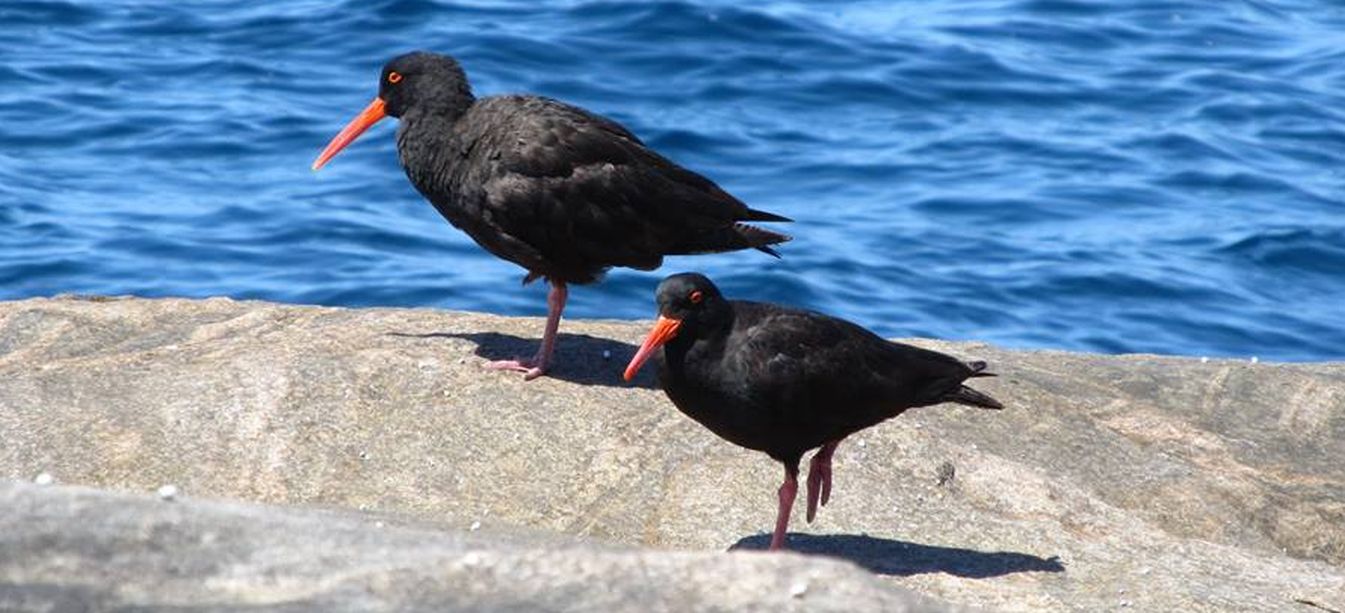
664	330
368	117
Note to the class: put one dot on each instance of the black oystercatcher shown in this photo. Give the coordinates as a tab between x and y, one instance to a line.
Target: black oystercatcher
560	191
784	381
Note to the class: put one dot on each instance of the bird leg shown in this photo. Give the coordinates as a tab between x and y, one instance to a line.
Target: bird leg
788	490
537	365
819	477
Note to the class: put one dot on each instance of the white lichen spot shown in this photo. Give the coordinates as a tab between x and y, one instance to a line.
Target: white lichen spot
167	492
798	589
476	525
44	479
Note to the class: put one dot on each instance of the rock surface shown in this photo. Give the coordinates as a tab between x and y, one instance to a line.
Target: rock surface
70	549
1110	482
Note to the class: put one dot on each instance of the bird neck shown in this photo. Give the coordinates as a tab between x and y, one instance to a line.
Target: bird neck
442	109
708	334
427	140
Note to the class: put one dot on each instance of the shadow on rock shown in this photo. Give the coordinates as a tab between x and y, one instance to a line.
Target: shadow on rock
578	358
900	558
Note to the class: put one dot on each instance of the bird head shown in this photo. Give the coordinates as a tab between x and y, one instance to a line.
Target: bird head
415	81
688	303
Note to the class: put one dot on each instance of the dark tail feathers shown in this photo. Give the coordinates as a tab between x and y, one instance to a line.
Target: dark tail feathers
760	239
978	369
729	238
970	397
966	395
755	215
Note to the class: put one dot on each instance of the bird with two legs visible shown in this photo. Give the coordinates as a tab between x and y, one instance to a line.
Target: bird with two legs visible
784	381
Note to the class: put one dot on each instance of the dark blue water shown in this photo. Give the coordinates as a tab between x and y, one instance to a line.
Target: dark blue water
1143	175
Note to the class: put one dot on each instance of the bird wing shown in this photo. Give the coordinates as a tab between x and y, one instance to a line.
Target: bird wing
794	351
565	180
800	354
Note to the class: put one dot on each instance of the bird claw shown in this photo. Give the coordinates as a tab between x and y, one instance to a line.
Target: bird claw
531	368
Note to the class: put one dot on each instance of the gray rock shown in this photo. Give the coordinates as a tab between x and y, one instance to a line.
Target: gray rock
69	549
1159	482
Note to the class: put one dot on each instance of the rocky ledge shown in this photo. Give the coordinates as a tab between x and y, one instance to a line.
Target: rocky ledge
361	457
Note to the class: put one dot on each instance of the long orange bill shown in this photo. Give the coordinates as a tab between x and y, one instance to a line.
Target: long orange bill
664	330
368	117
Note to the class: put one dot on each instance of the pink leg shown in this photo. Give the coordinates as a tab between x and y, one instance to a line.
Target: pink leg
536	367
788	490
819	477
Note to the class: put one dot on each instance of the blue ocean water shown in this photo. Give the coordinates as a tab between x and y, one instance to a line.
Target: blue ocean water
1131	176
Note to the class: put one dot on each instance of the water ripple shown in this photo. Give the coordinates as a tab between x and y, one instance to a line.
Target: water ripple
1154	175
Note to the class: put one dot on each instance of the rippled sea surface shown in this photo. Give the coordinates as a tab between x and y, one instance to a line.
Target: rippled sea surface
1131	176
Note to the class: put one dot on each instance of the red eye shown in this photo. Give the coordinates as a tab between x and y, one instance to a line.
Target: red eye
394	77
696	297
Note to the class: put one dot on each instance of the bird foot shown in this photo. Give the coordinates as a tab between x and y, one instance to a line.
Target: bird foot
819	479
531	368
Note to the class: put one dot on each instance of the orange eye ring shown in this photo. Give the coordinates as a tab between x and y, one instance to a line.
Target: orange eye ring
394	77
696	297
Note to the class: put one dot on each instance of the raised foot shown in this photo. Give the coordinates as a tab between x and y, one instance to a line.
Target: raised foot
531	369
819	479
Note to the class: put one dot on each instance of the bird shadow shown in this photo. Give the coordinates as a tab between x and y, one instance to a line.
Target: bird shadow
902	559
579	358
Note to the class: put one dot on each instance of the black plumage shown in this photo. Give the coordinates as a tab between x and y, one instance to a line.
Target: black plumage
560	191
784	381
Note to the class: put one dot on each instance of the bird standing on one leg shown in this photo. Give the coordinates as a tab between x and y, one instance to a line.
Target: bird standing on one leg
562	192
784	381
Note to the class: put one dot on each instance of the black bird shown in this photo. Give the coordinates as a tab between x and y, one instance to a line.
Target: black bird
785	381
560	191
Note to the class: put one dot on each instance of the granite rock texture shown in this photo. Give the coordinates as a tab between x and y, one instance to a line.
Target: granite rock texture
1110	482
68	549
